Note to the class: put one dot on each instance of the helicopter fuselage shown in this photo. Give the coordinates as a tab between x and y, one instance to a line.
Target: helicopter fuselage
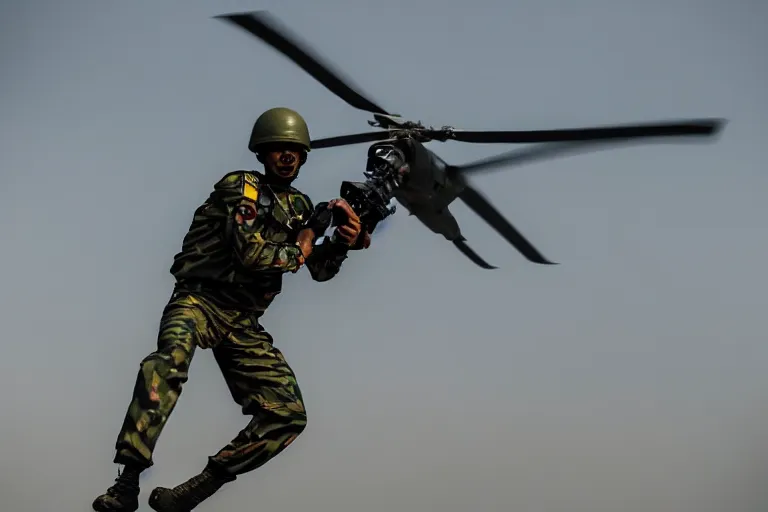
427	191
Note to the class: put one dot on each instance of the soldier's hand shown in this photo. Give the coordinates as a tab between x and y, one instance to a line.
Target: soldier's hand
350	230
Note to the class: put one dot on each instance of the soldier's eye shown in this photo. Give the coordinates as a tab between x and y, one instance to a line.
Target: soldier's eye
247	212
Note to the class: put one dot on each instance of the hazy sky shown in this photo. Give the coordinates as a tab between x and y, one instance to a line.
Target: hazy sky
630	378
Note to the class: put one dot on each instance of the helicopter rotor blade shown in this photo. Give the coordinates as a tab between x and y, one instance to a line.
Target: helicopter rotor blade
346	140
480	205
264	26
695	127
542	151
461	245
518	157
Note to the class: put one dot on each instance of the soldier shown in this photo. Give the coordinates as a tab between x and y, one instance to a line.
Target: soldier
251	230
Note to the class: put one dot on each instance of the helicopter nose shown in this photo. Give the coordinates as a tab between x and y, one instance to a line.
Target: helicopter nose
287	159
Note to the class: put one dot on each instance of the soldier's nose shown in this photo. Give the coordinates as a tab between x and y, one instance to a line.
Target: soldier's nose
287	159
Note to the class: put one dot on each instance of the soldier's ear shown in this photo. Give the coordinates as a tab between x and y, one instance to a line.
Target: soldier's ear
303	158
259	158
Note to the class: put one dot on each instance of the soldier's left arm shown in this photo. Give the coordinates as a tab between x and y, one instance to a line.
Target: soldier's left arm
326	259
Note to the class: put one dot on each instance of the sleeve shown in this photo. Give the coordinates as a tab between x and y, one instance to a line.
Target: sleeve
326	259
240	193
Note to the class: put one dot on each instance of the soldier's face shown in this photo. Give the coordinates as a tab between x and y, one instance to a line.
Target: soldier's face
283	160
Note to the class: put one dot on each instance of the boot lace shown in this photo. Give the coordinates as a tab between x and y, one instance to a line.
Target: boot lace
123	487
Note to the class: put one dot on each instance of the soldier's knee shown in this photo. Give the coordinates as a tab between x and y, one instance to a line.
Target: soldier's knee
150	363
295	422
298	422
156	362
166	366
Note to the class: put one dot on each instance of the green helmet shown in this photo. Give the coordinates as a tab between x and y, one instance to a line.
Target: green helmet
279	125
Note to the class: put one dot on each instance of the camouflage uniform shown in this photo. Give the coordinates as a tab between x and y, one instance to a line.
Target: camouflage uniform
216	304
241	242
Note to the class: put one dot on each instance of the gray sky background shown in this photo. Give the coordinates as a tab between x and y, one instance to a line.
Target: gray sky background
629	378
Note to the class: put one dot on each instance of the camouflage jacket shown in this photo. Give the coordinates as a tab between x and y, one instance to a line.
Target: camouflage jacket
243	239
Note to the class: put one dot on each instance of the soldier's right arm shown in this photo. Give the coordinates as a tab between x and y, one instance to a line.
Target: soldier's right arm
246	227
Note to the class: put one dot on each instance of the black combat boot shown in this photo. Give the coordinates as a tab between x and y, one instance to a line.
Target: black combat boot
187	496
123	496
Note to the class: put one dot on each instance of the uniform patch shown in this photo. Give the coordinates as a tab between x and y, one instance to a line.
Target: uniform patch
250	192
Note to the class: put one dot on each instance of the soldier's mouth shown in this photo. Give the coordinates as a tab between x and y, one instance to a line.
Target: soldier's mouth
284	170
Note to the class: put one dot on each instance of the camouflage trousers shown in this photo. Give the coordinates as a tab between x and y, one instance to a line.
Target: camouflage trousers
256	372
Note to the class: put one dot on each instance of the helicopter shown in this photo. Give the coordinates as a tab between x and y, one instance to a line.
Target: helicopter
401	168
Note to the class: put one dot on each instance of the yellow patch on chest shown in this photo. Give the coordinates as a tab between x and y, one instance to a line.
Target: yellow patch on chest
251	192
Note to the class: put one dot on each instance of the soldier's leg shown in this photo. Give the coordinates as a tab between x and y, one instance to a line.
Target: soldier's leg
263	384
158	386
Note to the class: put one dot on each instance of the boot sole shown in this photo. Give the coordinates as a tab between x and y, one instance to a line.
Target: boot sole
156	500
102	507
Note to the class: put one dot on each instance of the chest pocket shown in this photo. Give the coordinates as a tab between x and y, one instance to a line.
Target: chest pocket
290	210
285	214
